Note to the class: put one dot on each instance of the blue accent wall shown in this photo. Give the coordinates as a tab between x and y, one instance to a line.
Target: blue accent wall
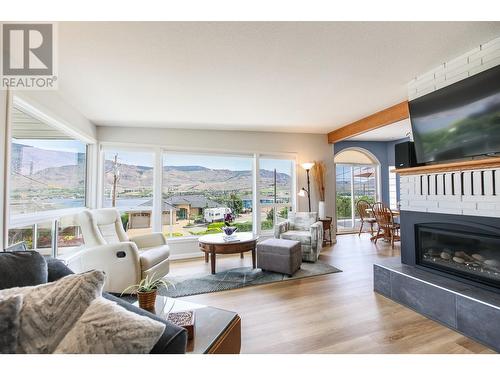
384	152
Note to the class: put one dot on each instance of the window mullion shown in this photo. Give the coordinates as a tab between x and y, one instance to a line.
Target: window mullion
34	239
353	214
157	211
255	195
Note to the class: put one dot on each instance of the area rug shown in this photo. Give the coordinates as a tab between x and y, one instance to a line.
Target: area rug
236	278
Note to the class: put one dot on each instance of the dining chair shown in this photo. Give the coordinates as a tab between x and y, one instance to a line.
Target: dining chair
386	223
366	216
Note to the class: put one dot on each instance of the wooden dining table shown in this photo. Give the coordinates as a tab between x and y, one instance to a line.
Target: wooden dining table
394	212
384	235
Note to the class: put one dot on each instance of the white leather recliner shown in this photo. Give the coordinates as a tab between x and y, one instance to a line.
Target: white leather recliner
124	260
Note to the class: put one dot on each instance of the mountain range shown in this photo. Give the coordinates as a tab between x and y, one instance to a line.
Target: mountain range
35	167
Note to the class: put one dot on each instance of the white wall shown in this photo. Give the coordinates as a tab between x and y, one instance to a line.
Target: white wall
481	58
307	147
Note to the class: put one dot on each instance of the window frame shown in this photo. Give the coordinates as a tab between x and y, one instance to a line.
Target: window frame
26	220
160	150
276	206
112	147
392	182
250	156
378	190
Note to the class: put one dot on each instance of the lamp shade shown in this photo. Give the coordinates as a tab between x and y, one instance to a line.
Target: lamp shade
302	192
308	165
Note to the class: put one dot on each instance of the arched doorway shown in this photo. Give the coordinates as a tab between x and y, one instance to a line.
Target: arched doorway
357	177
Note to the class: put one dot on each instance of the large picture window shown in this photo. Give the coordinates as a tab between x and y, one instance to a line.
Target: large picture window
47	182
199	190
128	186
47	167
275	191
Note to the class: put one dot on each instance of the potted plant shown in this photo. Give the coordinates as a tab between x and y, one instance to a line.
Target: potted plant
147	290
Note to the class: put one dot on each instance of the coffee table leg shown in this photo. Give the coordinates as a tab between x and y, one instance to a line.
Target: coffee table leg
212	259
241	255
206	257
253	258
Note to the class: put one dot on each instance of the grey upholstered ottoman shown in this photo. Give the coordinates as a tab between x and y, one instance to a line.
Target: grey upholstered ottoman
277	255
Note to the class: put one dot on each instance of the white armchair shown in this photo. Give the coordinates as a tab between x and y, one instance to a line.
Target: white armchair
125	261
305	228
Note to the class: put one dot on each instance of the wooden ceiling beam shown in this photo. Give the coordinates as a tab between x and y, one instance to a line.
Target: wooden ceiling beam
385	117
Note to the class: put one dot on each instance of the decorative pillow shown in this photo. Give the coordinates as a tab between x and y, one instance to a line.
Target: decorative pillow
56	269
108	231
106	328
49	311
9	323
22	268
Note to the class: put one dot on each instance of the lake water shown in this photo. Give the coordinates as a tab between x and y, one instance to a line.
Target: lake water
31	206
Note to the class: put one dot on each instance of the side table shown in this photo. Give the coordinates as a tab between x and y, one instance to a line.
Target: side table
327	227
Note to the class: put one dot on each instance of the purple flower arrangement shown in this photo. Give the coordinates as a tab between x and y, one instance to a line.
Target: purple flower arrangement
228	219
228	229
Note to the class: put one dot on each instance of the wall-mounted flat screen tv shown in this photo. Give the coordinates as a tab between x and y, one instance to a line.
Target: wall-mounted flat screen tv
458	121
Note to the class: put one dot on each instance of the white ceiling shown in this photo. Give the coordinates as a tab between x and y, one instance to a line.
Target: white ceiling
392	132
310	77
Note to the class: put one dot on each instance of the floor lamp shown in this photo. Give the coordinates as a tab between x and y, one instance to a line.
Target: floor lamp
303	192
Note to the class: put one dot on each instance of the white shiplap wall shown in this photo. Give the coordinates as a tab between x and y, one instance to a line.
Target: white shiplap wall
475	193
479	59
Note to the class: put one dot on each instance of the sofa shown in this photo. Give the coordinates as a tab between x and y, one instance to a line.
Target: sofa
305	228
26	268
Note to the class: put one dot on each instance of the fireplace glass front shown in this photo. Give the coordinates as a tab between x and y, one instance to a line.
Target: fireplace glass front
459	250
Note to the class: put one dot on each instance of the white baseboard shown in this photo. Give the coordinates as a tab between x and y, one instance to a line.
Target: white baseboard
182	256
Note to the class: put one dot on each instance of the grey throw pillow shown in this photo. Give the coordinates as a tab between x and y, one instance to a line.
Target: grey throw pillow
22	268
49	311
106	328
9	323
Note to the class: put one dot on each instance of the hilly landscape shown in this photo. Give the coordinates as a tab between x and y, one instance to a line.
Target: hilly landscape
33	168
190	179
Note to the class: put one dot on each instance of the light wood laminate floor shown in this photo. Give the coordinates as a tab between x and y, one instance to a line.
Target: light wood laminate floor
335	313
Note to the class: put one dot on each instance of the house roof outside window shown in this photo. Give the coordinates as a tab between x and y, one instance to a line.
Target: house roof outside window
194	200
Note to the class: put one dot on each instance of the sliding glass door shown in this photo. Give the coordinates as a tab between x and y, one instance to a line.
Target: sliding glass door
344	197
354	182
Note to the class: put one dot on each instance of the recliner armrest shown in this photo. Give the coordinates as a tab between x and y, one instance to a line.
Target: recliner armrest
317	231
149	240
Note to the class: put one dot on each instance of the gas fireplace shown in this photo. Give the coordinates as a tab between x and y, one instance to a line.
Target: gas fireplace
463	251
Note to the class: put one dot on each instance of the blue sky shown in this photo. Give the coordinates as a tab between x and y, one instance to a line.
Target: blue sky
208	161
55	145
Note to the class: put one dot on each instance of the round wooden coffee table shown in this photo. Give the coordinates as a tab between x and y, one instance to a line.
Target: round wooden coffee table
212	244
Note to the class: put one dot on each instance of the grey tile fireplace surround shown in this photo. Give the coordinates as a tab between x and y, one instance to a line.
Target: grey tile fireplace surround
470	310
